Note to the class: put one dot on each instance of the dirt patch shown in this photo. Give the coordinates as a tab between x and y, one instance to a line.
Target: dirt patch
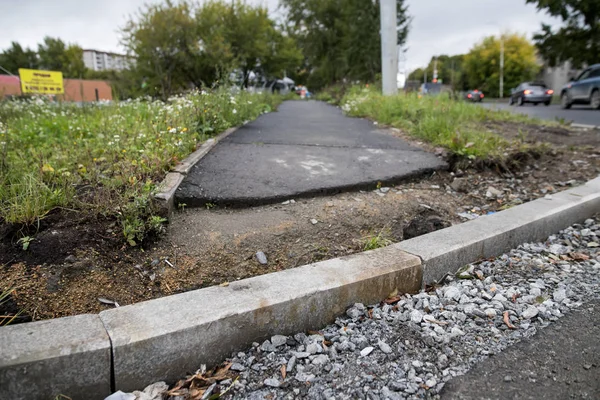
73	261
557	135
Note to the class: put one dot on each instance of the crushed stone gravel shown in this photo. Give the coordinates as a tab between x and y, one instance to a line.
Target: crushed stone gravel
409	349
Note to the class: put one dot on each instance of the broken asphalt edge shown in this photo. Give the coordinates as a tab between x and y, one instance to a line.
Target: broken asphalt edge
165	338
165	196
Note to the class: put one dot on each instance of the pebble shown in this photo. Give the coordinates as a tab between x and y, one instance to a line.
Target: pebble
366	351
314	221
530	312
272	382
278	340
384	347
261	257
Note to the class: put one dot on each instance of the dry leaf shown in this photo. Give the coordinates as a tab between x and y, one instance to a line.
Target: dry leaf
507	321
224	284
315	333
370	313
392	300
579	256
283	372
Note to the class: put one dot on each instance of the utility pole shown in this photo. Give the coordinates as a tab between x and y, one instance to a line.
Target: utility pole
501	66
389	48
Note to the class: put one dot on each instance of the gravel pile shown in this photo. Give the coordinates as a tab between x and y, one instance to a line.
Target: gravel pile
409	346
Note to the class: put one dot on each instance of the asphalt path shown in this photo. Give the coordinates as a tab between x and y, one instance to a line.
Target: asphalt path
560	362
306	148
578	114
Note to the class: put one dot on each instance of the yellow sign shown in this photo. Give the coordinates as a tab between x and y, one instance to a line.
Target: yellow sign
41	82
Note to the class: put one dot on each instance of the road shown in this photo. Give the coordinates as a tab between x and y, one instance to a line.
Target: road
560	362
577	114
306	148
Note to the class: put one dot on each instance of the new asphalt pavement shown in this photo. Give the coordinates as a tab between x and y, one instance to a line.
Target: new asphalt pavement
306	148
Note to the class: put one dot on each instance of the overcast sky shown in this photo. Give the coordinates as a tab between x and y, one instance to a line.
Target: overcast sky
438	26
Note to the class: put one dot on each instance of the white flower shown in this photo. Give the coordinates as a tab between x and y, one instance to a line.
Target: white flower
173	130
234	111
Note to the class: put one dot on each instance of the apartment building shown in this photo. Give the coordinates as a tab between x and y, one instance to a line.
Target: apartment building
102	60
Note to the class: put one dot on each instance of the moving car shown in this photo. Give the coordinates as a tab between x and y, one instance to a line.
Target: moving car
475	96
531	92
583	90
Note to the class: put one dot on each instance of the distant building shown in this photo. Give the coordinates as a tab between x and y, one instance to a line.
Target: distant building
102	60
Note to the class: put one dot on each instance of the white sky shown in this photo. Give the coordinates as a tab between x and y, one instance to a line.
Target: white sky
438	26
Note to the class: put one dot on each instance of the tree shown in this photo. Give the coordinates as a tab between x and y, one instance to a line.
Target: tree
187	44
482	63
340	38
16	57
578	40
55	55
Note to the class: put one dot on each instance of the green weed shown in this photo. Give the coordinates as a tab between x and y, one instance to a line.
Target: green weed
381	239
104	158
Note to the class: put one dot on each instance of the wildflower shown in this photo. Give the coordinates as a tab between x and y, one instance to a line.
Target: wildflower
234	111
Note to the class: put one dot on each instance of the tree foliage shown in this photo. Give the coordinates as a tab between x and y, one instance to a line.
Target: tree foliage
482	63
340	38
16	57
181	44
55	55
578	40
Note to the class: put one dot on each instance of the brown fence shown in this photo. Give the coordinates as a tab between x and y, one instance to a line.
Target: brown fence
75	89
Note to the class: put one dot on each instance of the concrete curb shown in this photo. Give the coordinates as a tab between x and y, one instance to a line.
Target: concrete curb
129	347
449	249
166	190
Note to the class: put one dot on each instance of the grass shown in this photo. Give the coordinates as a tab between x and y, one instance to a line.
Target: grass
8	318
455	125
378	240
106	158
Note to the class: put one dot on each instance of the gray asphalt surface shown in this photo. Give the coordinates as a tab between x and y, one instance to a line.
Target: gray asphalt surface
306	148
560	362
579	114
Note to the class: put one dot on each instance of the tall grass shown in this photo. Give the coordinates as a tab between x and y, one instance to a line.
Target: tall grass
105	157
455	125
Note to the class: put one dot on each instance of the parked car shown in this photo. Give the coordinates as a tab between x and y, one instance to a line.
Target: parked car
475	96
585	89
531	92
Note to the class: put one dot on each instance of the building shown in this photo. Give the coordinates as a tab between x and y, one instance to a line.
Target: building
102	60
76	90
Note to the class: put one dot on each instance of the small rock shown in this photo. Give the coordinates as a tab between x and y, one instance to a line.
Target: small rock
587	366
384	189
278	340
271	382
430	382
261	257
460	184
383	346
313	348
119	395
559	295
237	367
417	364
291	364
314	221
490	312
267	347
416	316
455	331
508	378
452	292
493	192
530	312
301	354
286	202
320	359
366	351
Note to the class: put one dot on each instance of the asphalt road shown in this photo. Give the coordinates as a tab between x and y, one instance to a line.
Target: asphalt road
306	148
577	114
560	362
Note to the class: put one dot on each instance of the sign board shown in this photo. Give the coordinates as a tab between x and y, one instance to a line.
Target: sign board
41	82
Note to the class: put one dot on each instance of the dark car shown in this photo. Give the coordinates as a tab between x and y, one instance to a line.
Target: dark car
583	90
475	96
531	92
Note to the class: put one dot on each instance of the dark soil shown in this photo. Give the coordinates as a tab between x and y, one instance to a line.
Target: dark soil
75	259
